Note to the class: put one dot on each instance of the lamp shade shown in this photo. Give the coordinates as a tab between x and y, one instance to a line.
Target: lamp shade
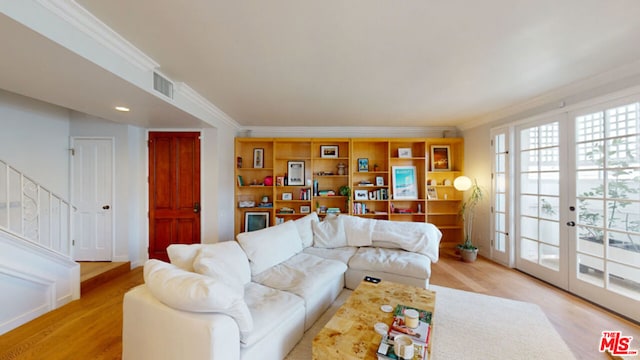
462	183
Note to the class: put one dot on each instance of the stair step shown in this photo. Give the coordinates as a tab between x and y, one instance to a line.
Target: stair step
93	274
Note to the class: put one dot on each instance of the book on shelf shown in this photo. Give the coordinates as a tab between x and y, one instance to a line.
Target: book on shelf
420	335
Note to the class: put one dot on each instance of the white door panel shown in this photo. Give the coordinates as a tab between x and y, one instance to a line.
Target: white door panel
92	191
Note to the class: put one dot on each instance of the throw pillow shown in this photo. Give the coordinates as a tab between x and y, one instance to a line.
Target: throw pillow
271	246
182	255
184	290
358	230
305	228
224	261
329	233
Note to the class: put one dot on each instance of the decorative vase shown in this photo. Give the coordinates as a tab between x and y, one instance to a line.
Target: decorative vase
341	167
469	255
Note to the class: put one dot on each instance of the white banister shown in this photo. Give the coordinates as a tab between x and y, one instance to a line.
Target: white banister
34	213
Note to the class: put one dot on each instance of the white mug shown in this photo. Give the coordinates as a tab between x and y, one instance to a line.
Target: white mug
403	346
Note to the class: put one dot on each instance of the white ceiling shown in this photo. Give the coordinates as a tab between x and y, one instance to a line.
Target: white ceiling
375	62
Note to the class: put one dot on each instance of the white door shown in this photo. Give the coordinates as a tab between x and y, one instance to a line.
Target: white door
92	193
542	244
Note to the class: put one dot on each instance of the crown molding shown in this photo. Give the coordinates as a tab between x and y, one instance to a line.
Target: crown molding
348	131
570	94
185	91
85	22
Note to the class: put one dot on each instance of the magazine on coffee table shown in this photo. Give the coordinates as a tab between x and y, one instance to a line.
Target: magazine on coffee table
420	334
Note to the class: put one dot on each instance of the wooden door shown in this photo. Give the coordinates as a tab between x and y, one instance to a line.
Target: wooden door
174	191
92	187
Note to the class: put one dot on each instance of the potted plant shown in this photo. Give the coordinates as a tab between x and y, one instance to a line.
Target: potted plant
468	251
345	190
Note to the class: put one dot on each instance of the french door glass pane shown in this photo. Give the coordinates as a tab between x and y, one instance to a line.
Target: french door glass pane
591	269
550	256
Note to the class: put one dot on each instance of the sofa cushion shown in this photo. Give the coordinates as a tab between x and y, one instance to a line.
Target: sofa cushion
182	255
271	246
342	254
268	309
391	261
358	230
225	261
184	290
302	274
329	233
305	228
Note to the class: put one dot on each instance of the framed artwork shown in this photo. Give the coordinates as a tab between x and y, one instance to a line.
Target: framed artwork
404	182
255	220
432	193
379	181
295	172
404	152
287	196
279	180
328	151
440	158
363	164
305	209
258	158
361	195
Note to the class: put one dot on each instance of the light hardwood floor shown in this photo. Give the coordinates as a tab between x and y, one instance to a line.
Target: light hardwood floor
91	328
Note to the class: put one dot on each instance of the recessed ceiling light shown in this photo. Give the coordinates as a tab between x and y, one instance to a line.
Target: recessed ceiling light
122	108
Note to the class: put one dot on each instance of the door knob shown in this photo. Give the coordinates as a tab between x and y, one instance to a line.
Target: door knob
571	223
106	207
196	208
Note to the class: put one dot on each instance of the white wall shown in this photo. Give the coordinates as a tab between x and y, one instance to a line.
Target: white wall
34	140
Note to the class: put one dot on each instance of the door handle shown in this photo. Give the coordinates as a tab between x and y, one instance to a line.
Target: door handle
196	207
106	207
571	223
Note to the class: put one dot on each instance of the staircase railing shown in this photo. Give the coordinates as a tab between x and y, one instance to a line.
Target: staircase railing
33	212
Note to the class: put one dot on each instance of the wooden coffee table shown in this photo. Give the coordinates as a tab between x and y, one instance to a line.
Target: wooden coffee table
350	333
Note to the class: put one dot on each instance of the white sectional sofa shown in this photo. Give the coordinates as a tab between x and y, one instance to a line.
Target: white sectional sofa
255	297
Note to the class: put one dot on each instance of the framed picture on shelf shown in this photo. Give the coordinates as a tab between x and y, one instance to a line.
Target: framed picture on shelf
279	180
379	181
305	209
361	195
328	151
404	152
432	193
404	182
258	158
287	196
295	172
256	220
363	164
440	158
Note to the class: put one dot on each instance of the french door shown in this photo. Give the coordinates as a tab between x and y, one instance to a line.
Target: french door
501	209
607	200
577	215
542	247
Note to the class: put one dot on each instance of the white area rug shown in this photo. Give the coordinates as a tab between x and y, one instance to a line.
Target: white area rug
474	326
